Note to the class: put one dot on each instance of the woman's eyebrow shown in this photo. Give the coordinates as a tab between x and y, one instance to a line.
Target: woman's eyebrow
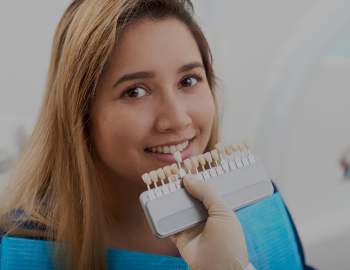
190	66
151	74
134	76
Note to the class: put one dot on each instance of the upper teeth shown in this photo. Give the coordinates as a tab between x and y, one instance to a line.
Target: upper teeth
169	149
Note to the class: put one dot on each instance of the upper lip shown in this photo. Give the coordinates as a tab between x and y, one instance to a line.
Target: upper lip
173	142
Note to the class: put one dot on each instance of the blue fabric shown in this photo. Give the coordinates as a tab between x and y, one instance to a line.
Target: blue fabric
269	235
270	238
297	238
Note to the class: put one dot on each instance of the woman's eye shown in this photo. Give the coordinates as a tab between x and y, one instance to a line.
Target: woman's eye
135	92
190	81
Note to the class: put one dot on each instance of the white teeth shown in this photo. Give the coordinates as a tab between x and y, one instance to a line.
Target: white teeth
168	149
179	147
172	149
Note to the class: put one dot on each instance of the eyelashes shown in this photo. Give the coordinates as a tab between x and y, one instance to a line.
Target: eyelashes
135	91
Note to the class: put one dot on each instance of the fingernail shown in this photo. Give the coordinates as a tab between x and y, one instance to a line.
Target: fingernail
191	178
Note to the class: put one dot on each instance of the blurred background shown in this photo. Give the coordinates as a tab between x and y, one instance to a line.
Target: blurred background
285	76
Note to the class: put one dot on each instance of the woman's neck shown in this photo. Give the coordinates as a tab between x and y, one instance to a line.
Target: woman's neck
127	227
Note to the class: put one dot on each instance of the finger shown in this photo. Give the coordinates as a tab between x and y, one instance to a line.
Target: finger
204	192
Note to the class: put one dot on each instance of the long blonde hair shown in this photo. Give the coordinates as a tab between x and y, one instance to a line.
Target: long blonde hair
55	183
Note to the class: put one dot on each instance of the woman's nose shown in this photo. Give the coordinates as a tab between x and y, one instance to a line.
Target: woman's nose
172	114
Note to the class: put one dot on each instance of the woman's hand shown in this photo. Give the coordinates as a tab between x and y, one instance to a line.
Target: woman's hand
219	242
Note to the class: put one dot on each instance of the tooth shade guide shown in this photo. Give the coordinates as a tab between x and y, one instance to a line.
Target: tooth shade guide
195	162
174	168
251	158
201	159
244	159
208	158
199	175
177	183
173	171
240	146
252	183
219	148
233	147
147	179
215	155
171	185
178	157
248	146
188	165
167	171
228	150
161	175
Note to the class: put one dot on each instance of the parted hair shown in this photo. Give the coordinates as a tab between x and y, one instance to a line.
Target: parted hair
54	192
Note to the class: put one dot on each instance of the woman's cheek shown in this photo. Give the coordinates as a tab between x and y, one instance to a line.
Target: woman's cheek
202	113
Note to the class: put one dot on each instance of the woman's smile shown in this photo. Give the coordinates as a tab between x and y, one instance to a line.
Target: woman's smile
164	152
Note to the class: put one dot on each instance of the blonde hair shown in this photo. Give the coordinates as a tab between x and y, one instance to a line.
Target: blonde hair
54	183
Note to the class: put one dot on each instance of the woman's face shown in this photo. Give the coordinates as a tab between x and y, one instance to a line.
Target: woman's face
153	96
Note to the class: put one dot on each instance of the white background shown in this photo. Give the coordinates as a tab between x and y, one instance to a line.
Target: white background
246	38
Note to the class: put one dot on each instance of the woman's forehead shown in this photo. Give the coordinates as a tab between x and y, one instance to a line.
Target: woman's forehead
156	45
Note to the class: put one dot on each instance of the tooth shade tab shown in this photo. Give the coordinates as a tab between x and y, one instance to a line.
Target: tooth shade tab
177	156
201	159
174	169
228	150
208	157
166	150
233	147
160	149
188	164
219	148
167	171
247	144
179	147
160	173
240	146
172	149
215	154
194	161
172	178
146	178
154	176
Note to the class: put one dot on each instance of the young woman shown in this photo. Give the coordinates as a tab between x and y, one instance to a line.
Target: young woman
126	77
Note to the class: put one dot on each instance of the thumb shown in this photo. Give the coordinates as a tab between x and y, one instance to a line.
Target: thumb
204	192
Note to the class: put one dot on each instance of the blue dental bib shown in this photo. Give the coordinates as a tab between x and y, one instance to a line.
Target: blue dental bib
268	232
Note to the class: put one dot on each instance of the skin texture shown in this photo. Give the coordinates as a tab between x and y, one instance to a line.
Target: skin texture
170	106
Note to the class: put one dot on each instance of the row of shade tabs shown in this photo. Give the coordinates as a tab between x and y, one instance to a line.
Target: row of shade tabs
175	172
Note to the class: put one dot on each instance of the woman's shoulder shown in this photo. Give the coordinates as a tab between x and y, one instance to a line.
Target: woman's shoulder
19	220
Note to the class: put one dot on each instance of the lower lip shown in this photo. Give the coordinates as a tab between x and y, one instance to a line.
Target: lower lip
169	158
